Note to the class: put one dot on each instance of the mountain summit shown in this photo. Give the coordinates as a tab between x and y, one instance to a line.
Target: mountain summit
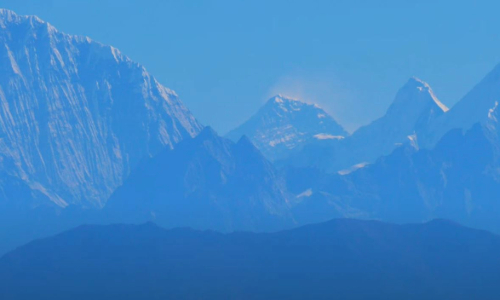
284	124
414	106
416	95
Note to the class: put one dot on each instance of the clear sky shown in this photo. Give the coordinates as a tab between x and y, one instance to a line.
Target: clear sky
225	58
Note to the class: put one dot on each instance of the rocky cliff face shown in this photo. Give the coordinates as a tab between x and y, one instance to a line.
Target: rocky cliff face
77	115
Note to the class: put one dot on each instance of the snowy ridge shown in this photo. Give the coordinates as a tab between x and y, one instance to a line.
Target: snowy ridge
423	86
77	115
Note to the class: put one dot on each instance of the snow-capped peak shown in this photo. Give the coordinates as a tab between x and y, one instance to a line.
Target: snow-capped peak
280	98
417	92
32	23
285	123
413	109
8	16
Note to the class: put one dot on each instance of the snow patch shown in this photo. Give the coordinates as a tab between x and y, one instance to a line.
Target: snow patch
13	62
413	141
353	168
324	136
306	193
491	112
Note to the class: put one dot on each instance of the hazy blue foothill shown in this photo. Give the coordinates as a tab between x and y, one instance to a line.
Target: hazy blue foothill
347	259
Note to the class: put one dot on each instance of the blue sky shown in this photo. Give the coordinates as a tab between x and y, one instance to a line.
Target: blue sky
225	58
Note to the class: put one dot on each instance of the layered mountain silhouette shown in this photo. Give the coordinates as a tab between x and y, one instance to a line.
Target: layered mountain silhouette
284	125
89	136
345	259
457	180
208	182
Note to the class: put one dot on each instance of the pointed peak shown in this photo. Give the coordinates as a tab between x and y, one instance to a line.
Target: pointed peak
245	140
417	89
207	133
246	145
417	81
6	12
208	130
10	17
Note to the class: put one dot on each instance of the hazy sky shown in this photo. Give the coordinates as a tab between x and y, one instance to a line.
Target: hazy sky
225	58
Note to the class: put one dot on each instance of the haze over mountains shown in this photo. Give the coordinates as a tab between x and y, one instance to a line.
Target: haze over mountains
72	135
89	136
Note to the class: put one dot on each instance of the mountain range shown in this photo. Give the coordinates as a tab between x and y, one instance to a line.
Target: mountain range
87	136
414	108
